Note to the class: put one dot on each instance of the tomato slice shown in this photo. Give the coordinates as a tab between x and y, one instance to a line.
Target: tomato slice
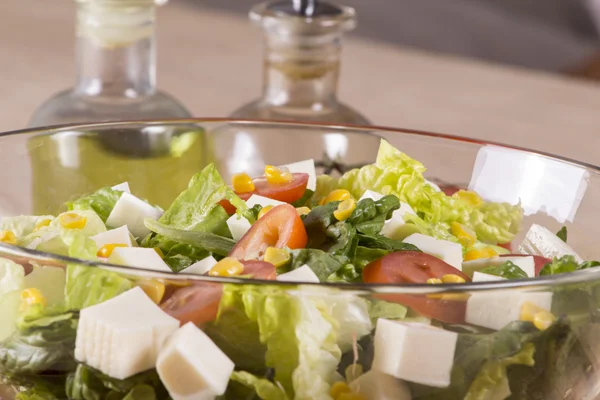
417	267
280	227
449	190
286	192
259	269
538	260
198	303
507	246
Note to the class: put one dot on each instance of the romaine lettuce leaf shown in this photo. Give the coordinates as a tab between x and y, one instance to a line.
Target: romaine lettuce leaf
566	264
22	225
101	202
264	388
12	281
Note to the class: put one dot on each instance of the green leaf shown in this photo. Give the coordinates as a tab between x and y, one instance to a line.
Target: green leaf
369	216
88	286
304	201
22	225
384	309
326	233
264	388
101	202
560	265
507	270
38	392
588	264
383	243
322	264
562	234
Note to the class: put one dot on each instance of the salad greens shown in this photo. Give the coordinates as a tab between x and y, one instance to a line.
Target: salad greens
562	234
101	202
507	270
566	264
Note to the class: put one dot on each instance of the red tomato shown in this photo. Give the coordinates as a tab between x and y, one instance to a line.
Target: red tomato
538	260
286	192
507	246
280	227
449	190
259	269
417	267
198	303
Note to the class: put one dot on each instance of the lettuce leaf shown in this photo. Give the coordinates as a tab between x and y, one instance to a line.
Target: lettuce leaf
567	263
12	281
507	270
22	225
264	388
101	202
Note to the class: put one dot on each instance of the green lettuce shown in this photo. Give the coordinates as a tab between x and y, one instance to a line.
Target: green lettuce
396	173
264	388
566	264
321	263
22	225
385	309
562	234
12	281
507	270
101	202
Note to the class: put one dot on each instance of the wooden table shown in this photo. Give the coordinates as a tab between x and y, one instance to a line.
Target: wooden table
212	62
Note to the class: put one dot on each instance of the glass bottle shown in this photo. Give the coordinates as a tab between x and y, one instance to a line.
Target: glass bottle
302	64
116	68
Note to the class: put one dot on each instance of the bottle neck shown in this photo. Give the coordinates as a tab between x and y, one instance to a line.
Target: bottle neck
115	51
302	73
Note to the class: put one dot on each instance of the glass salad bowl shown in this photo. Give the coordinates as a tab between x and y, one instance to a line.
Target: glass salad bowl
471	279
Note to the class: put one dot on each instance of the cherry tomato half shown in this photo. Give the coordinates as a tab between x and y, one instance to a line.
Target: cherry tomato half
507	246
538	260
280	227
259	269
417	267
286	192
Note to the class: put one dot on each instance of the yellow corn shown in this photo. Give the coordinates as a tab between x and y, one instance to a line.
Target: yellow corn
72	220
8	237
345	209
42	224
466	236
242	183
106	250
302	210
434	281
543	320
336	195
469	196
264	210
159	252
486	252
452	278
155	289
339	388
277	176
277	257
33	296
449	296
529	310
228	266
352	396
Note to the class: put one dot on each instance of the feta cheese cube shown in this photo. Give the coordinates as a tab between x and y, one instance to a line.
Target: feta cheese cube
496	310
132	211
449	252
526	263
238	226
302	274
306	167
123	336
481	277
122	187
139	257
201	267
369	194
192	367
393	226
414	352
263	201
541	242
375	385
119	235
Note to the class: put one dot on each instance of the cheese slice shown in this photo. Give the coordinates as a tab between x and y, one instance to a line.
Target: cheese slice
132	211
302	274
446	251
201	267
481	277
123	336
122	187
540	241
139	257
119	235
238	226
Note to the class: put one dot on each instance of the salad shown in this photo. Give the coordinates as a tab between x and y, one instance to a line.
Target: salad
152	329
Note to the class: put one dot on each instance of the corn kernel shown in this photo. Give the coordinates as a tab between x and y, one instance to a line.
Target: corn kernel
336	195
452	278
303	210
469	197
242	183
159	252
277	176
154	288
228	266
475	254
42	224
33	296
449	296
264	210
339	388
466	236
434	281
277	257
543	320
352	396
8	237
106	250
72	221
345	209
529	310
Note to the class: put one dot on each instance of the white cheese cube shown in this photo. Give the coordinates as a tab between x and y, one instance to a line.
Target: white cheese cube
192	367
124	335
201	267
369	194
481	277
306	167
263	201
238	226
139	257
541	242
496	310
414	352
114	236
375	385
50	281
302	274
526	263
449	252
132	211
122	187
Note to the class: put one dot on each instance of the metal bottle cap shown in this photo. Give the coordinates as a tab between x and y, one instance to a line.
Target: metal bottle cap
305	8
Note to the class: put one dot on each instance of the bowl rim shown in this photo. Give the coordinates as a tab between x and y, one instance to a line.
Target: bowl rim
577	277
